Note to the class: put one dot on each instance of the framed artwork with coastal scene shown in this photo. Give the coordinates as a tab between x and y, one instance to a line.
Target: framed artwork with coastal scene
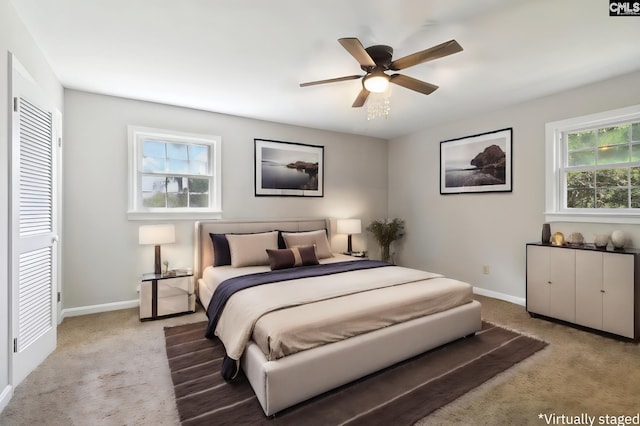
478	163
287	169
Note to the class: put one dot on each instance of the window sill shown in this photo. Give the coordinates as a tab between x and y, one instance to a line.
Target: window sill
620	218
183	215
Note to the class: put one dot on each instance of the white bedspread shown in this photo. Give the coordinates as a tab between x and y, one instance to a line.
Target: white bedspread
352	296
287	331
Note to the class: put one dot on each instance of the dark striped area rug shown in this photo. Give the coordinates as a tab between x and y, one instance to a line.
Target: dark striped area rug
399	395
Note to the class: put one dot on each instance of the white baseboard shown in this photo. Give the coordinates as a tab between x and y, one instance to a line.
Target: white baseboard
5	396
94	309
506	297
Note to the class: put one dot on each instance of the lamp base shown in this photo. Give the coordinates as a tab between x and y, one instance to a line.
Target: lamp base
158	264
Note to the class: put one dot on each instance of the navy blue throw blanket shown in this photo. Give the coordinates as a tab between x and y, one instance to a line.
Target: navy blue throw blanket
229	287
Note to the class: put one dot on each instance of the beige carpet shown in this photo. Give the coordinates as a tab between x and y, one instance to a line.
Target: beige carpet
110	369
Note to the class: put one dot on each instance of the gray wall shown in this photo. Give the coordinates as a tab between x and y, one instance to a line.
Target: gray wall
457	235
101	255
14	38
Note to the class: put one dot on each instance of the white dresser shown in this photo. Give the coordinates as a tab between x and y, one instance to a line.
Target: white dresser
590	287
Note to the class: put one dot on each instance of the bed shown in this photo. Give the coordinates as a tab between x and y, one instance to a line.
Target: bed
287	363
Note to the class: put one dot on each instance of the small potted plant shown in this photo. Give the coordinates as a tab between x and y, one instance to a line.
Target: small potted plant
386	231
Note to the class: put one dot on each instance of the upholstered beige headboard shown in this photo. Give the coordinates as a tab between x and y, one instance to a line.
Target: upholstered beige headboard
204	247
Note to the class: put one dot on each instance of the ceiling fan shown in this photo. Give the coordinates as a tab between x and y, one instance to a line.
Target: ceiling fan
375	60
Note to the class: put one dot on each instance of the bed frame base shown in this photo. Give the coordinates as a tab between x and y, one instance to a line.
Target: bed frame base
287	381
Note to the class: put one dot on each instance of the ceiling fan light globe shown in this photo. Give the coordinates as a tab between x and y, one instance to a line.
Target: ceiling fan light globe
376	82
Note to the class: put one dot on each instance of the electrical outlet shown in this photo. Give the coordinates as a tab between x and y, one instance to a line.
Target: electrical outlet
485	269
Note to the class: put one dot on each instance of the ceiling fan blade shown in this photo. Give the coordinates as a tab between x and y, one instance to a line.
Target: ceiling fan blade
361	99
331	80
356	49
445	49
413	84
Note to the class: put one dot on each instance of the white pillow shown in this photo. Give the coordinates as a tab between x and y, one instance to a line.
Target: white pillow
310	238
251	249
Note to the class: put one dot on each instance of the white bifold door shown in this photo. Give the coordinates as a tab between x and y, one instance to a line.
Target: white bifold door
35	125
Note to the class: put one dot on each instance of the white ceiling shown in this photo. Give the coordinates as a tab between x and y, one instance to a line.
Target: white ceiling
247	57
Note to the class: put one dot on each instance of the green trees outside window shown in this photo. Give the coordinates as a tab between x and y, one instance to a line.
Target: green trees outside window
602	168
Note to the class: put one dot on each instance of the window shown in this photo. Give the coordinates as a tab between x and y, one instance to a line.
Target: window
593	168
173	174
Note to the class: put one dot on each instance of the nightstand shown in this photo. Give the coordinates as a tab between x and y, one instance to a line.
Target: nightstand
164	295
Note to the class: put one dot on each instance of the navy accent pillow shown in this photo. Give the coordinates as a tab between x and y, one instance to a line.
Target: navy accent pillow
281	243
221	252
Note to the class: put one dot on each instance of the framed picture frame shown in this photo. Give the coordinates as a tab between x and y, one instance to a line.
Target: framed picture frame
288	169
478	163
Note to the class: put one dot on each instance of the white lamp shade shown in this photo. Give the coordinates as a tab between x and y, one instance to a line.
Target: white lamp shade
157	234
349	226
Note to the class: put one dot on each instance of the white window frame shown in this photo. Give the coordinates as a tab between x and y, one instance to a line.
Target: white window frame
136	211
555	190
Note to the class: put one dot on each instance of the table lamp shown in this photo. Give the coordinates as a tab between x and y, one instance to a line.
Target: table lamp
156	235
349	227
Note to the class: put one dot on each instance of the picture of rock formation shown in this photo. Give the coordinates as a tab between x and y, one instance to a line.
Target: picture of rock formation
491	161
469	163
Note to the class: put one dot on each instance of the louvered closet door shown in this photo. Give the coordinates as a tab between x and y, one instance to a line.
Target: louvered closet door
33	226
